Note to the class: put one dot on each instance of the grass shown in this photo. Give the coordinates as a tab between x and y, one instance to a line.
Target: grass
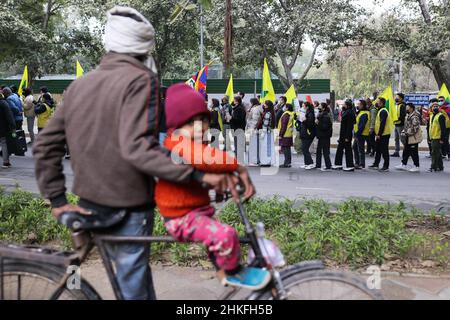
353	233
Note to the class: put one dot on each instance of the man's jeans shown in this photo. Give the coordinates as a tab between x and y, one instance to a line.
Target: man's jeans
398	131
131	261
5	153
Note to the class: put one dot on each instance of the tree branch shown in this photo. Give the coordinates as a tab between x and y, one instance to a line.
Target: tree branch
310	64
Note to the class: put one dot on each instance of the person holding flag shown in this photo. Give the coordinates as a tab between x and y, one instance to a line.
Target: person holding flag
383	130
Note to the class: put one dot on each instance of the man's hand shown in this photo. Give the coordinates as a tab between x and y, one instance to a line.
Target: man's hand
250	190
221	183
377	138
69	208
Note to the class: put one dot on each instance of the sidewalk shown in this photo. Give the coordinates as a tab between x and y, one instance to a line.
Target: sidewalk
196	284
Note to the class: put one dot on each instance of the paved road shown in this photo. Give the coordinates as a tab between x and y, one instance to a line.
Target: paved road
175	283
424	189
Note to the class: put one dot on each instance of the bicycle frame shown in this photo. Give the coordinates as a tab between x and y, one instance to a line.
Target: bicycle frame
85	241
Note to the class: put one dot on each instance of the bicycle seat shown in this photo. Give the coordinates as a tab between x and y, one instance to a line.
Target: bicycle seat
95	221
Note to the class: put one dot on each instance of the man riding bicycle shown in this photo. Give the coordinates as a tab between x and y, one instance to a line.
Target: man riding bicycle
108	119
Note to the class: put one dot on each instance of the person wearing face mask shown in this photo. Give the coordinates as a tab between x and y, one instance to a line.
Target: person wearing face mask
436	134
324	134
361	133
400	123
445	109
383	130
412	137
345	138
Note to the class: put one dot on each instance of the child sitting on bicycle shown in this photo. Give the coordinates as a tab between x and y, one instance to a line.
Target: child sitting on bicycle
186	208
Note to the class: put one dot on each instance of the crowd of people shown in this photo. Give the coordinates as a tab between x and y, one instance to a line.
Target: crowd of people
13	110
365	131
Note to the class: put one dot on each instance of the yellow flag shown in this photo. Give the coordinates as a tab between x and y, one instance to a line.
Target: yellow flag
24	82
291	95
230	89
80	71
444	93
267	88
390	104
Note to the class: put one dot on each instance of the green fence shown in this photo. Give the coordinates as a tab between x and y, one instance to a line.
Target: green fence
215	86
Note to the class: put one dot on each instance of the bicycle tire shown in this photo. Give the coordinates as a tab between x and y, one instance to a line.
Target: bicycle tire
301	278
47	273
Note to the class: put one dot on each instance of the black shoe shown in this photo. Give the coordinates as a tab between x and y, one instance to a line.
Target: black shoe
384	170
431	170
286	166
6	165
349	170
359	167
372	155
374	167
395	155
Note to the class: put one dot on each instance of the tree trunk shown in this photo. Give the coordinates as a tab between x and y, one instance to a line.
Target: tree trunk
441	72
228	38
48	13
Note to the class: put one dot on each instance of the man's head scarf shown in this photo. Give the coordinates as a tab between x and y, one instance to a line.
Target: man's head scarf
127	31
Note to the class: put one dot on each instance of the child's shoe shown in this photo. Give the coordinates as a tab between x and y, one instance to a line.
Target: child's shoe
249	278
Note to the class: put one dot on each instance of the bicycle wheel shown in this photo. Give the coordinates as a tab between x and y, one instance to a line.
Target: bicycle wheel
325	285
28	280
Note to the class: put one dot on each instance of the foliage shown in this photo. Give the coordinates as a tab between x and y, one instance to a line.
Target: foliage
41	35
354	233
419	32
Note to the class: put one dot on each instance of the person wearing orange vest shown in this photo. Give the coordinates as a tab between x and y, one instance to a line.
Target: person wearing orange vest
436	133
361	132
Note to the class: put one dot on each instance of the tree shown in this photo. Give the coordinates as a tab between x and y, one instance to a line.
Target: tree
278	30
37	33
419	37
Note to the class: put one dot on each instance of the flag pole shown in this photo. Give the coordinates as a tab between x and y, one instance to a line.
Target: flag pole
201	38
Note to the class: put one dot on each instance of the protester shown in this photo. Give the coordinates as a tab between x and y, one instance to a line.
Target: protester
7	128
42	91
30	115
324	134
361	132
280	108
286	134
254	116
445	109
437	133
307	135
44	111
244	103
412	137
238	124
216	124
400	123
225	112
15	105
266	126
108	119
298	125
383	130
345	138
373	116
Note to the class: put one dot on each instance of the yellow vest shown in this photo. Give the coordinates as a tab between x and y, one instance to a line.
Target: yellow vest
398	107
43	118
435	128
290	127
388	127
366	130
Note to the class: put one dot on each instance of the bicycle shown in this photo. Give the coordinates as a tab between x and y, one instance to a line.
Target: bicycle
33	272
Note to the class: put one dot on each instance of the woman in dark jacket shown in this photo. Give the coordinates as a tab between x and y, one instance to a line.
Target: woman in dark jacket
238	123
307	134
7	128
348	121
324	134
215	124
